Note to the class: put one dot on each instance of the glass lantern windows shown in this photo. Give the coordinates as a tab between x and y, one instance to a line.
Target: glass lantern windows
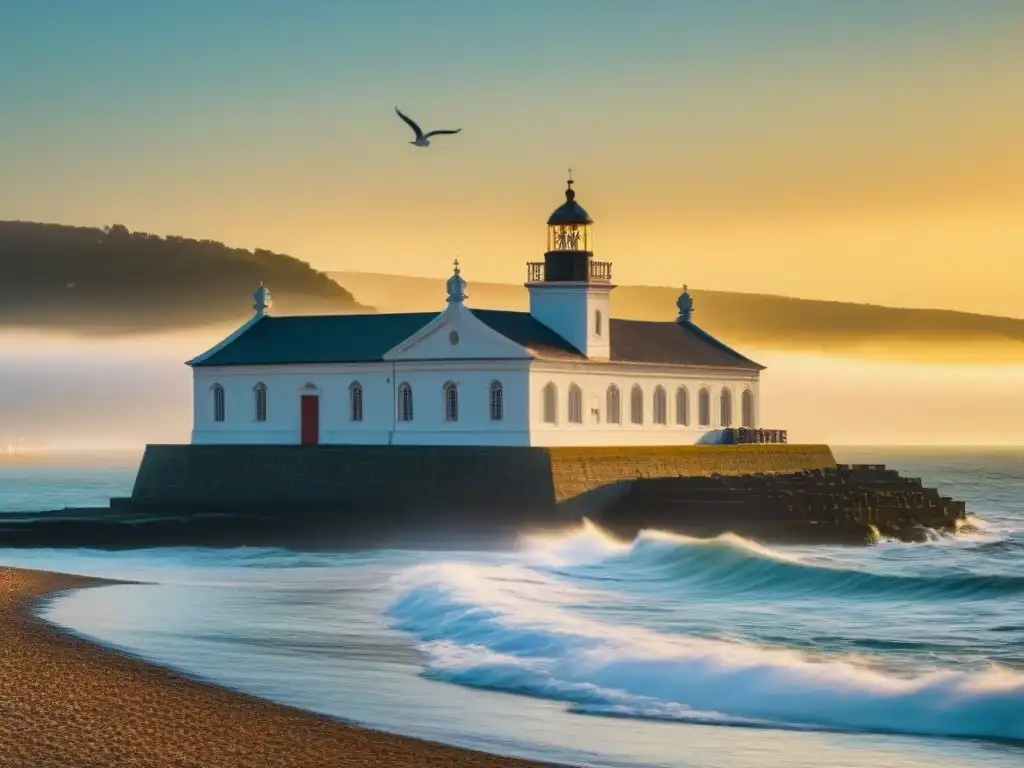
570	237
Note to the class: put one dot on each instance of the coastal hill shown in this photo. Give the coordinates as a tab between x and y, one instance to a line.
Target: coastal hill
88	280
753	321
91	281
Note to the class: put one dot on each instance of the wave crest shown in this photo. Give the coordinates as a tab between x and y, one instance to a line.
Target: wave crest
510	629
732	565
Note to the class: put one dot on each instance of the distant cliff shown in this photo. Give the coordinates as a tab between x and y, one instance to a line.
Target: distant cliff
110	280
755	322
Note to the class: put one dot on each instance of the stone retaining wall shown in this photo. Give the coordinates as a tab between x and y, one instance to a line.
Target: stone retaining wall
434	477
577	471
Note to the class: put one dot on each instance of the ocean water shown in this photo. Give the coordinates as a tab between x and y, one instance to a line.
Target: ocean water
579	648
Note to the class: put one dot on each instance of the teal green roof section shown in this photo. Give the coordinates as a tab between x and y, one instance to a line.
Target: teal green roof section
366	338
318	339
302	340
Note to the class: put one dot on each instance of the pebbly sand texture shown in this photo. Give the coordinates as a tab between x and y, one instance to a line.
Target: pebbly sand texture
65	702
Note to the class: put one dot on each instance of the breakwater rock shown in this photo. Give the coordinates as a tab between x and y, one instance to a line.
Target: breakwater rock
841	504
847	504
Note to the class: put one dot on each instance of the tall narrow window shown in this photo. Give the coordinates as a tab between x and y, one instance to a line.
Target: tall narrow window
355	401
451	401
748	408
497	401
575	404
550	398
636	405
597	322
613	406
218	402
259	396
660	405
726	407
682	407
704	407
404	402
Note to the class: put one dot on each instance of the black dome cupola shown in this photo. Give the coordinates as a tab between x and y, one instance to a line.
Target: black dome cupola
570	246
570	212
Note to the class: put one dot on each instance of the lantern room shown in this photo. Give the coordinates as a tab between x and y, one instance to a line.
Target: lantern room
570	226
569	257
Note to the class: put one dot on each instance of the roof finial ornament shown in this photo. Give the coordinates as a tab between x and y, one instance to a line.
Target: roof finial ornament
570	193
261	300
685	305
456	285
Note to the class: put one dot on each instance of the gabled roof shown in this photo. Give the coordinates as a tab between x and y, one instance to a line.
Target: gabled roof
524	329
318	339
366	338
646	341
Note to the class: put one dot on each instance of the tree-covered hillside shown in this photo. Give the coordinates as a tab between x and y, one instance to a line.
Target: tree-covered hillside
111	280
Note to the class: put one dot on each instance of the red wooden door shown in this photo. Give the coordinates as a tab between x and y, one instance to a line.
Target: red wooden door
310	419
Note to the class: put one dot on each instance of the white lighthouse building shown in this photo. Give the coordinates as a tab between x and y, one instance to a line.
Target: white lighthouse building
566	373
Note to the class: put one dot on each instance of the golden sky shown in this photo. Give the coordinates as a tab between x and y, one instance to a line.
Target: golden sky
869	151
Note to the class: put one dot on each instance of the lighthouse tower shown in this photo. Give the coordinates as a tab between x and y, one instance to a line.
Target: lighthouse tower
569	291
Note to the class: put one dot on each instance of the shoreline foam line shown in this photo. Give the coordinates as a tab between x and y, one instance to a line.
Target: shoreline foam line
66	700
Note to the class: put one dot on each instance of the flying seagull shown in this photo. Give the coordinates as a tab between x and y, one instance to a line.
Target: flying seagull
422	139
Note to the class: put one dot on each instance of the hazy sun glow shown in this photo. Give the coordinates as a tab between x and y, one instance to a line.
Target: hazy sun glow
868	151
99	394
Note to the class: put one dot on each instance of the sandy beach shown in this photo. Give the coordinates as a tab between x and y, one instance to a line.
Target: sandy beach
65	702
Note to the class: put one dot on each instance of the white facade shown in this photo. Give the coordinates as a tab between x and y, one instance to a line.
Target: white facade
459	381
503	396
520	421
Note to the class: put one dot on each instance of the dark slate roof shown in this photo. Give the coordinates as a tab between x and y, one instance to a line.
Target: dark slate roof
366	338
570	212
646	341
318	339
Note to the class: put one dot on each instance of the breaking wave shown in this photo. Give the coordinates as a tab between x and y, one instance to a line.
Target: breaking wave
731	565
526	627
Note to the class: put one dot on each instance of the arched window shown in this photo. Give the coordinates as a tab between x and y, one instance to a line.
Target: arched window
612	406
682	407
726	407
355	401
451	401
259	398
550	404
704	407
404	402
636	405
218	402
660	405
597	322
575	404
747	406
497	401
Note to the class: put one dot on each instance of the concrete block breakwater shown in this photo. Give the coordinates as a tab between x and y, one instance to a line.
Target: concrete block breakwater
849	503
342	497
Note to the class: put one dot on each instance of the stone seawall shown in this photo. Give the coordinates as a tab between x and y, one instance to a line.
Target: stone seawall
331	497
429	477
388	477
850	504
578	471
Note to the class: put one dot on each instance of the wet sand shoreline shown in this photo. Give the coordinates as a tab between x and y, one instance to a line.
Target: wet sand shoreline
65	701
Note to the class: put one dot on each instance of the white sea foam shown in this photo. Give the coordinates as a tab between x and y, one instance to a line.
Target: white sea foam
518	629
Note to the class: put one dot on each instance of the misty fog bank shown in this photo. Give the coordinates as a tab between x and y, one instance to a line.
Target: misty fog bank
125	393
